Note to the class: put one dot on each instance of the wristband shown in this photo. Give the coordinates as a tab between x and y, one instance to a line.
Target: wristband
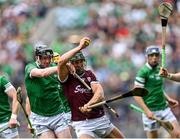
169	76
13	116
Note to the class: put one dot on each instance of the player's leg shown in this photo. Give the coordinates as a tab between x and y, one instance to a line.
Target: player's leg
176	131
115	133
169	116
66	133
152	134
84	129
86	136
150	126
47	134
41	126
104	128
60	125
67	117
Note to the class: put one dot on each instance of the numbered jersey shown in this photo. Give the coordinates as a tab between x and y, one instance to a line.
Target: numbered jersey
149	78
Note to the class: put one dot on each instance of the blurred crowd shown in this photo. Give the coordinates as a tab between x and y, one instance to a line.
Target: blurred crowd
120	31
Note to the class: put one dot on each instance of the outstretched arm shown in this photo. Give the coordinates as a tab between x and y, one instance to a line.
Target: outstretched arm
171	76
15	105
43	72
174	76
62	67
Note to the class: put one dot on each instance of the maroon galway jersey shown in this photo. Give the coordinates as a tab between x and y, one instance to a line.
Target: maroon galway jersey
78	95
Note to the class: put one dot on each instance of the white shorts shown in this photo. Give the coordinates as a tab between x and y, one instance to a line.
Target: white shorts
9	133
67	116
152	125
98	127
42	124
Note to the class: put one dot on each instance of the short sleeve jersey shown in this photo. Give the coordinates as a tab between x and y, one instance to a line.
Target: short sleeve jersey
149	78
43	93
78	95
5	111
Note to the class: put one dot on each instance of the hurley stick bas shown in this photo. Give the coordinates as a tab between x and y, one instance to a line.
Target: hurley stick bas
165	10
20	100
138	91
166	124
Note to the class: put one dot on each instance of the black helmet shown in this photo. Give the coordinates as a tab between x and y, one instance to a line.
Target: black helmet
77	56
43	50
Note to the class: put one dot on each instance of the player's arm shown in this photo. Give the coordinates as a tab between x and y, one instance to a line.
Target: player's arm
35	72
171	76
141	103
172	102
97	97
98	93
12	94
27	106
62	65
139	82
174	76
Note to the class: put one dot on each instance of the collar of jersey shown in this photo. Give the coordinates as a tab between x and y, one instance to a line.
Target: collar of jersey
147	64
37	64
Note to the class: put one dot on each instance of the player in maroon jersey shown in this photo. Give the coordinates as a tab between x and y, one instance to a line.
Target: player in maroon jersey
88	123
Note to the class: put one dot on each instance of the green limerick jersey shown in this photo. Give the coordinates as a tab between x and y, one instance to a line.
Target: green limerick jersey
43	92
5	111
64	101
149	78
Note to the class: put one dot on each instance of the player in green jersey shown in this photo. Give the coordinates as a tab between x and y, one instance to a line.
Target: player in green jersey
43	89
8	116
171	76
56	59
155	103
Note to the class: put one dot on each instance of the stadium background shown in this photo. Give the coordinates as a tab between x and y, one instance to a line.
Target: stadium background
120	31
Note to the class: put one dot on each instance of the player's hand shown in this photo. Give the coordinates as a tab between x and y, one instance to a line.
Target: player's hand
163	72
173	103
13	123
149	114
84	42
85	108
31	130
